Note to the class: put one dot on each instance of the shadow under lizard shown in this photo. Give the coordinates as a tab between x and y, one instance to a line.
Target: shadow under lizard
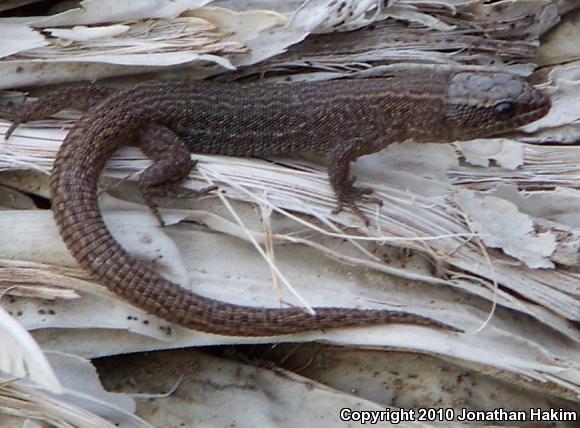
343	119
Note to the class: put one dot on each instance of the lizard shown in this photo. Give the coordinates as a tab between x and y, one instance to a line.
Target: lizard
344	119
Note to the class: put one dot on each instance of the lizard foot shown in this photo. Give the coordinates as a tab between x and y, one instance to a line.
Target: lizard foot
350	196
15	114
171	191
80	98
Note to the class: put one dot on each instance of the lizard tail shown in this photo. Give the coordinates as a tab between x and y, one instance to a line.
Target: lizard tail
74	179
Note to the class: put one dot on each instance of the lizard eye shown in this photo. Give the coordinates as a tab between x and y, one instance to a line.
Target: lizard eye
503	110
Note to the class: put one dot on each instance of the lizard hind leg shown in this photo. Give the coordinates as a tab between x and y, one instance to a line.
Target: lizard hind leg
79	98
172	163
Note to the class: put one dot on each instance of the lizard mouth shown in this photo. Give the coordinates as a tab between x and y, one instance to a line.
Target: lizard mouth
529	112
490	103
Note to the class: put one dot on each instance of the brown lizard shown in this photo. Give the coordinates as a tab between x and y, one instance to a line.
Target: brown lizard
344	119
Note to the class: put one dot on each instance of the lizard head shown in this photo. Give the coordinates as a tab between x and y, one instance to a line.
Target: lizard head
482	104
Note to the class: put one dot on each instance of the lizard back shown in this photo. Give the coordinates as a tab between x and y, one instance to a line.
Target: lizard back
255	119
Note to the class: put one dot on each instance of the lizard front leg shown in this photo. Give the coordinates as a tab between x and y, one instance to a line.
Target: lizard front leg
79	98
343	185
172	163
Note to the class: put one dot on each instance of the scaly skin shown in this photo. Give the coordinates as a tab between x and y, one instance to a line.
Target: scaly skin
344	119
